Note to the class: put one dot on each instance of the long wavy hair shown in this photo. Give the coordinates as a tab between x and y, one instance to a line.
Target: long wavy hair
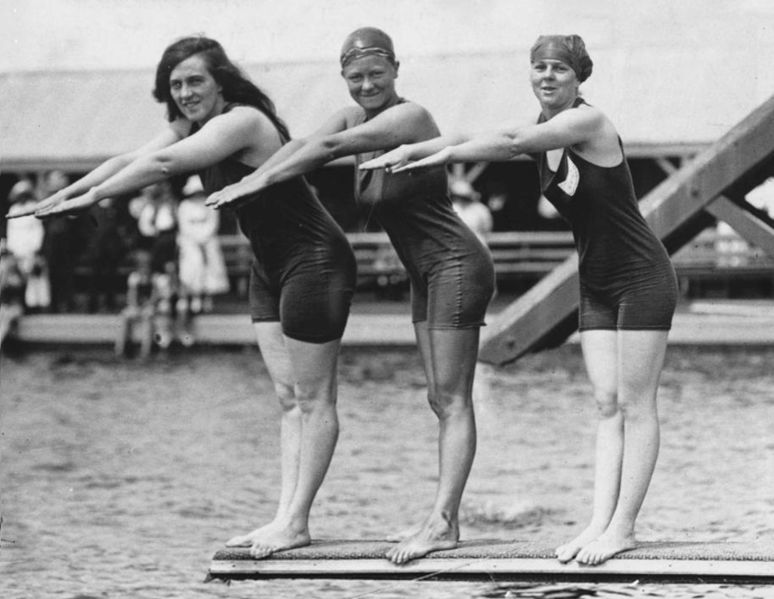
234	83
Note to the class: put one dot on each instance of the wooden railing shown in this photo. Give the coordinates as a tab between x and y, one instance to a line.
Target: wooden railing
530	254
515	254
519	256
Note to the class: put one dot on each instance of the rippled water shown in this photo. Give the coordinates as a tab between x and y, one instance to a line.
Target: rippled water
121	479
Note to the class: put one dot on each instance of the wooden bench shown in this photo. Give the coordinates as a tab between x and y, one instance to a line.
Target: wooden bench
520	259
719	262
526	255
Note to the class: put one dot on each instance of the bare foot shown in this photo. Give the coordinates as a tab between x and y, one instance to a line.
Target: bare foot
605	547
568	551
428	538
251	537
404	534
279	540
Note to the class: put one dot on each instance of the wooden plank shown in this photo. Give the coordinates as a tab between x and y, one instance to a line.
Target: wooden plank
529	322
504	560
738	324
694	186
669	209
748	225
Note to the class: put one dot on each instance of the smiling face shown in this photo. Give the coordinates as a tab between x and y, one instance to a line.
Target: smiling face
371	82
554	83
195	91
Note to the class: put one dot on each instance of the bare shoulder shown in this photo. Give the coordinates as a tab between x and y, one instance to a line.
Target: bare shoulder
413	110
602	145
415	117
592	116
246	116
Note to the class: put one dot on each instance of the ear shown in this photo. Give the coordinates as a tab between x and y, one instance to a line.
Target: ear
397	66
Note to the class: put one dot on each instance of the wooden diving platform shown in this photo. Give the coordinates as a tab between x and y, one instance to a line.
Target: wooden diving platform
712	186
672	561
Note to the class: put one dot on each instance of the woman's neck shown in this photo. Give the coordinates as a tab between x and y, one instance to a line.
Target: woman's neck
389	104
550	111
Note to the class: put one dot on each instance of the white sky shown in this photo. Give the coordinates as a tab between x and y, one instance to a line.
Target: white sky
71	34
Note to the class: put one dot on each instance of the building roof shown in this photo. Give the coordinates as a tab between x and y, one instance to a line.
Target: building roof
75	119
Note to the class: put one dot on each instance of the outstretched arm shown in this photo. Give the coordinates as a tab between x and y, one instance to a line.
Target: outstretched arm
103	172
399	124
568	128
220	137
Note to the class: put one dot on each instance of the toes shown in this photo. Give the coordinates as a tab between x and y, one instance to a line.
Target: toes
261	551
583	557
241	541
564	554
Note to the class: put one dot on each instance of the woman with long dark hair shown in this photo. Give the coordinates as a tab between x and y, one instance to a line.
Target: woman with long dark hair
451	272
628	288
223	127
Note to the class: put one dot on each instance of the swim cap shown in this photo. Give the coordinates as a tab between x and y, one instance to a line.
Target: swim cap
570	49
367	41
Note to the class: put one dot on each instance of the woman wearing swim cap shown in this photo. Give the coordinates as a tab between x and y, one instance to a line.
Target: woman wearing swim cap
628	287
451	272
303	276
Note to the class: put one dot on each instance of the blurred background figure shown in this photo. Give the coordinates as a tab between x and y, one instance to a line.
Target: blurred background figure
25	238
466	203
104	251
166	285
61	247
140	311
11	292
202	268
156	212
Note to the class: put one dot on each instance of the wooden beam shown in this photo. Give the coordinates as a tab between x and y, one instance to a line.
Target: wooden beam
502	560
670	210
554	298
665	165
697	184
748	225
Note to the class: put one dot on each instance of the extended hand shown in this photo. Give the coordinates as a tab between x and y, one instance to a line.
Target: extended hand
228	196
439	158
389	161
61	206
33	209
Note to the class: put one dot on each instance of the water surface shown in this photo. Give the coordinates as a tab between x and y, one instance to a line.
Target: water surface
122	478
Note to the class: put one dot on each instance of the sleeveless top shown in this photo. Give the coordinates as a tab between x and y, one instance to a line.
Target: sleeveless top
614	242
281	222
416	213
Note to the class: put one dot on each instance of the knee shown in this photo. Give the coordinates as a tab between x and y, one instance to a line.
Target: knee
446	403
309	399
286	396
607	402
637	406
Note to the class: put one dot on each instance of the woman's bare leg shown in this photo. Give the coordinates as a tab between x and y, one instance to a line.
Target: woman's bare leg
271	342
314	373
449	358
600	355
640	361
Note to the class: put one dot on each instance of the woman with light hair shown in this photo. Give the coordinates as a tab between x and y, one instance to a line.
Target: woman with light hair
451	272
628	288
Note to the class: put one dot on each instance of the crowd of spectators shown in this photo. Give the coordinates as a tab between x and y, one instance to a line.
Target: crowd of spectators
165	237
